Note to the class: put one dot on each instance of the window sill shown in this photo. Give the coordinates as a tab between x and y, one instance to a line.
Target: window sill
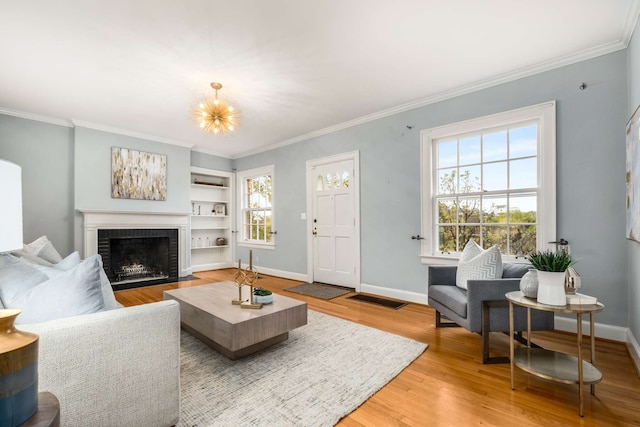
268	246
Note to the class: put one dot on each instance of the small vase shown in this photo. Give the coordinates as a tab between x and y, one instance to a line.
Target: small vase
551	288
18	371
529	283
572	281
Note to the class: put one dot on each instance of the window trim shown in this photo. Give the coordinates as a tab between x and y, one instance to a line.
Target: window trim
544	115
240	178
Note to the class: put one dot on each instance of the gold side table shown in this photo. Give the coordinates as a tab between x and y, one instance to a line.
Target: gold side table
553	365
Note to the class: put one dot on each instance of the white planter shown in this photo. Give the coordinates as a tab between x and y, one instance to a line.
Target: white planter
263	299
551	288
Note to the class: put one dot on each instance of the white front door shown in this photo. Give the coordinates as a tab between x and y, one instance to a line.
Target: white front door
334	222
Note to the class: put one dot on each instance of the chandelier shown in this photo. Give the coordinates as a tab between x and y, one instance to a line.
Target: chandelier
215	116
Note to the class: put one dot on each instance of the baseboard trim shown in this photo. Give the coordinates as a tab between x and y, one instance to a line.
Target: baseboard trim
409	296
615	333
280	273
634	350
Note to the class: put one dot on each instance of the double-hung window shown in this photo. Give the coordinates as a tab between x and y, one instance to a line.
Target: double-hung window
256	214
492	180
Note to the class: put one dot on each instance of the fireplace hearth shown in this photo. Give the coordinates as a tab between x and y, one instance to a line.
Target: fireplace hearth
139	257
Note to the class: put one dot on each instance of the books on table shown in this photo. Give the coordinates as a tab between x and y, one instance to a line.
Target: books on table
581	299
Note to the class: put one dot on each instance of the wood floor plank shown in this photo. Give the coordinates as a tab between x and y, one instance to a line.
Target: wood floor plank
448	385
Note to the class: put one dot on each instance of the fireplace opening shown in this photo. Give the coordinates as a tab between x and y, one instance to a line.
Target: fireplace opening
139	257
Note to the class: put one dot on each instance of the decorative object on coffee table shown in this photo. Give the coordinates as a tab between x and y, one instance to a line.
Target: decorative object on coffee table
262	296
249	277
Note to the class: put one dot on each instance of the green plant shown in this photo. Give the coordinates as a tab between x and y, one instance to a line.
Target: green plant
551	261
261	292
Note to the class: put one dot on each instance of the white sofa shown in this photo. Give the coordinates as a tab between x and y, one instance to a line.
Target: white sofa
108	365
114	368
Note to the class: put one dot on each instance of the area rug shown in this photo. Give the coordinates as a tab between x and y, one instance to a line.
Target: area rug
319	290
323	372
378	301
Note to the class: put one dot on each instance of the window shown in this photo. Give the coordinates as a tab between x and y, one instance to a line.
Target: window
255	193
490	179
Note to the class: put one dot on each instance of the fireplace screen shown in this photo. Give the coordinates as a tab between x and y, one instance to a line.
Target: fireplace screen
135	258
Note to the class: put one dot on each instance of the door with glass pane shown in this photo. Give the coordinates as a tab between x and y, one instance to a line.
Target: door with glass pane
335	249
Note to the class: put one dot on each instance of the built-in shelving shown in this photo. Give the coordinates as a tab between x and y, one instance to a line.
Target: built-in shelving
211	219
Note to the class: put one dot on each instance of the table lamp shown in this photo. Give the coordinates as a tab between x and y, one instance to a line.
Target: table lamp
18	350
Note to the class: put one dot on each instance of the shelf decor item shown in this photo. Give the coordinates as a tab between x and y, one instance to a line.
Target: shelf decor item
552	267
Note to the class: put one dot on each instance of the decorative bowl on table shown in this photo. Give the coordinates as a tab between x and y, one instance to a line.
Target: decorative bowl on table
262	296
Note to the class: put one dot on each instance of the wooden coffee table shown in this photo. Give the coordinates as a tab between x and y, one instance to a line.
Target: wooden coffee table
206	312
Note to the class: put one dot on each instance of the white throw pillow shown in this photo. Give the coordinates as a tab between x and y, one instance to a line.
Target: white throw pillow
49	253
35	246
69	262
71	293
17	277
478	264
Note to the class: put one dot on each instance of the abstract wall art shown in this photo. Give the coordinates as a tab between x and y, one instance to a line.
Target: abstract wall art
633	177
138	175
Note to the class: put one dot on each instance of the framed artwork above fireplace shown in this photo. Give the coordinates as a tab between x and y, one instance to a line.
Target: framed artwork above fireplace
138	175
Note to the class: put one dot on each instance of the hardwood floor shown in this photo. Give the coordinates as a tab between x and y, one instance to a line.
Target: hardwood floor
448	385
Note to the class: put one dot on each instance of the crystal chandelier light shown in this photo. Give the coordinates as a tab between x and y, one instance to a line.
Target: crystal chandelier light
215	116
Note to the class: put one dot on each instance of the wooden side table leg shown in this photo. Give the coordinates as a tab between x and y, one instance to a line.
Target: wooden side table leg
580	373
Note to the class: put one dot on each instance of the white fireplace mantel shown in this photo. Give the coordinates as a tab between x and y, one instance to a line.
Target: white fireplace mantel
95	219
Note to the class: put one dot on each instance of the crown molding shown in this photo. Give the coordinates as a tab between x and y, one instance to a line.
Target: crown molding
630	23
36	117
462	90
109	129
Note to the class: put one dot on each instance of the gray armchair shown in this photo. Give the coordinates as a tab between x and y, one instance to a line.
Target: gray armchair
465	307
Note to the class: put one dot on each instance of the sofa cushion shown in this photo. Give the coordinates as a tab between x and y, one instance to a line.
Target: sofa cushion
70	293
478	264
69	262
512	270
452	297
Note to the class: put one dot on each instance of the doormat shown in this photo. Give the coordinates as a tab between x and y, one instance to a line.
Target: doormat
319	290
378	301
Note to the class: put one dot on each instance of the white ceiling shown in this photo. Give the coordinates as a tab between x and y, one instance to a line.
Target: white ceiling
294	68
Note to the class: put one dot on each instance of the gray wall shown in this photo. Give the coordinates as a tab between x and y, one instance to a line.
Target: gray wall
590	177
93	173
591	191
633	52
45	153
210	161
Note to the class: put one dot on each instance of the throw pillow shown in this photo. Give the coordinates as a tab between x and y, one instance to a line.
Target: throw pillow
35	246
17	277
69	262
71	293
477	264
49	253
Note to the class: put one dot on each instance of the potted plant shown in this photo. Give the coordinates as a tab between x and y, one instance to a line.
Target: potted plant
552	267
262	296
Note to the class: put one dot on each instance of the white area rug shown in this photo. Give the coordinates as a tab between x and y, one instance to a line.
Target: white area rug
324	371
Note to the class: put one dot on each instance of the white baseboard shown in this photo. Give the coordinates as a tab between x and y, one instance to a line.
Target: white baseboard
280	273
634	350
615	333
409	296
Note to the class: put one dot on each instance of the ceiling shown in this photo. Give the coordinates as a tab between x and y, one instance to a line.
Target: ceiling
294	68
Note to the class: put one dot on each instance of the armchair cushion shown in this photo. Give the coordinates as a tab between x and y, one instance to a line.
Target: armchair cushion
476	263
452	297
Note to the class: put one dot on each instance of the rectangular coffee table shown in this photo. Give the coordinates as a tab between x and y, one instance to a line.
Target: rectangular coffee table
206	312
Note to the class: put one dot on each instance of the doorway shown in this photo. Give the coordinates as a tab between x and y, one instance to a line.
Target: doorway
333	222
